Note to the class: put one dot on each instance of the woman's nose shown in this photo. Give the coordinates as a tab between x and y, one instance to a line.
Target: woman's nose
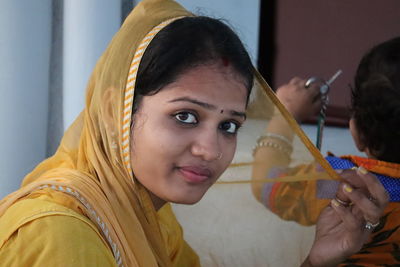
206	145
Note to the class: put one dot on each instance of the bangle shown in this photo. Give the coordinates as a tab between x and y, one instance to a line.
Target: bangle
276	146
275	136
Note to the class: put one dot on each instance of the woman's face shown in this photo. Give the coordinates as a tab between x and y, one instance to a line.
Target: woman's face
184	137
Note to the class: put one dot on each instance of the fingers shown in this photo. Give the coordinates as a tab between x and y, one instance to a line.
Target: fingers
346	215
300	101
367	195
377	192
300	83
370	211
314	88
366	182
315	94
351	176
317	99
297	81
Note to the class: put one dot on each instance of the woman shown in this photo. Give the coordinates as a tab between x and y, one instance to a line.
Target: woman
163	107
375	128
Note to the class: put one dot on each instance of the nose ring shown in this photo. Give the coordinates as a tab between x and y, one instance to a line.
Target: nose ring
219	156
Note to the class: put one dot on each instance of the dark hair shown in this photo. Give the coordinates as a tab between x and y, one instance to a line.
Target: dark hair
184	44
376	100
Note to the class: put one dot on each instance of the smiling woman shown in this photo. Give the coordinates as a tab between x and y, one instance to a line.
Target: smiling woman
181	128
160	124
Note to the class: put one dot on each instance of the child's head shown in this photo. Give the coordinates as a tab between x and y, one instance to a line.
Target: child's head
375	123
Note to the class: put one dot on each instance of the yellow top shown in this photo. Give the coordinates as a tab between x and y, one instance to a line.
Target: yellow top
39	231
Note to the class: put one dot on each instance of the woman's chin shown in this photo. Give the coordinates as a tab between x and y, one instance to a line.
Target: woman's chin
188	200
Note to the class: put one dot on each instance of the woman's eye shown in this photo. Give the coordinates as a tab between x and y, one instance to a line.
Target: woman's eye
186	117
229	127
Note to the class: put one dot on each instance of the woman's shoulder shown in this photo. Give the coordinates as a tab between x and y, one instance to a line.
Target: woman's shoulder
38	232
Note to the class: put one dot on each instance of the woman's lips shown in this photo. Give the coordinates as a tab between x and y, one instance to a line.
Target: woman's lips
194	174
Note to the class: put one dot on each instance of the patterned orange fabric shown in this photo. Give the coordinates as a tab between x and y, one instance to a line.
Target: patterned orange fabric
384	247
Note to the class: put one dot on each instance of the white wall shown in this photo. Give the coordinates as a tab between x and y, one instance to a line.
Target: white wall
25	28
335	139
25	40
89	26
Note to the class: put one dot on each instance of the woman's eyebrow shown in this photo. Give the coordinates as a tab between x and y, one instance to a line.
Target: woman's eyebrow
194	101
207	106
238	114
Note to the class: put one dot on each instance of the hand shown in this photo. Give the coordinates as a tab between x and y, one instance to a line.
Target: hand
300	101
340	230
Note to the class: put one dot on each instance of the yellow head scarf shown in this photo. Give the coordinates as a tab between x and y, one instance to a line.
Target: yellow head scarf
92	161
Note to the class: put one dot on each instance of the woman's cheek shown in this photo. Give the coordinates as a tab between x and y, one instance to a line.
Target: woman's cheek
230	146
174	139
229	149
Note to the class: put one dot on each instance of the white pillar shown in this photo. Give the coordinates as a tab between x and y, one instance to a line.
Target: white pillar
88	28
25	31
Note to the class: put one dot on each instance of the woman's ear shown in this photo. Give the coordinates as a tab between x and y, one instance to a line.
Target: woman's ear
356	135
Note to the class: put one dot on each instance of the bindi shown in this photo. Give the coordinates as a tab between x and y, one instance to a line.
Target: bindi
222	111
225	62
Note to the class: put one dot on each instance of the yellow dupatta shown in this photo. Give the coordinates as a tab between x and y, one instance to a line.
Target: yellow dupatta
92	161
